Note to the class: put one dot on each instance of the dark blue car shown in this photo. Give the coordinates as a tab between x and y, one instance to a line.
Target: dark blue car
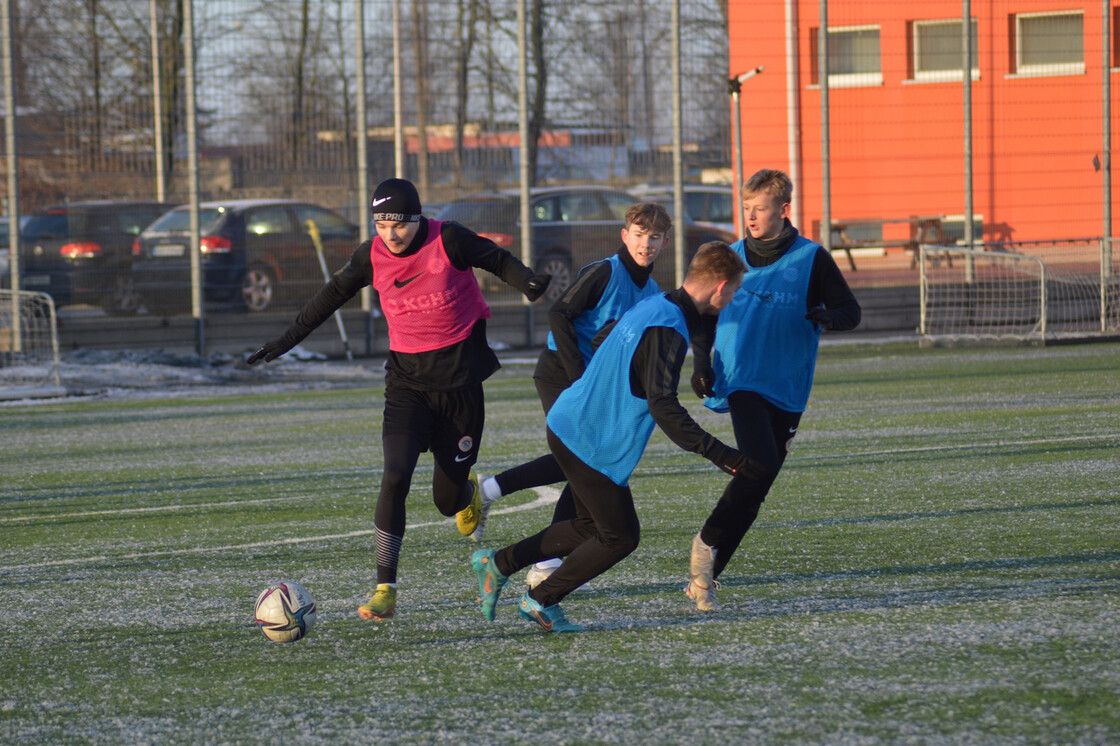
254	254
80	252
570	226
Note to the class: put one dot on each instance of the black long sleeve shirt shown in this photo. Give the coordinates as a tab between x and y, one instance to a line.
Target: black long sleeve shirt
447	368
564	366
655	373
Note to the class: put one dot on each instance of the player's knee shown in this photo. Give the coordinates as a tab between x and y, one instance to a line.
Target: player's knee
762	473
447	504
621	543
395	481
450	498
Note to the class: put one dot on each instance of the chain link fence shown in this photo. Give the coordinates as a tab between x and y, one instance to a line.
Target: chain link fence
293	101
316	101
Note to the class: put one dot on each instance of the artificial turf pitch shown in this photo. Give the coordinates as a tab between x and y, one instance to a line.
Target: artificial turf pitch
939	562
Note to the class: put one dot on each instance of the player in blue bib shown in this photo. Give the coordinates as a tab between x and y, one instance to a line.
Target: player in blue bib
604	291
598	429
761	369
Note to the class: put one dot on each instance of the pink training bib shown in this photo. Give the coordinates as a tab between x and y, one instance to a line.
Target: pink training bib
427	302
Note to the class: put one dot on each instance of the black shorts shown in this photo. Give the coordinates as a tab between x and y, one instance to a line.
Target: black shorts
447	423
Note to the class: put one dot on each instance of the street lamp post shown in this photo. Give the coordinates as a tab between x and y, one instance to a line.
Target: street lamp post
734	86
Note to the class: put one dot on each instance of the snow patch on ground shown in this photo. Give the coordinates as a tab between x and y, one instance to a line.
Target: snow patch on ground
118	373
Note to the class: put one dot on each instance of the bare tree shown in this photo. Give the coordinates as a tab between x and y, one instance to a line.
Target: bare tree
467	15
423	96
294	78
342	39
604	99
275	87
83	80
297	134
121	85
94	39
499	69
539	100
497	74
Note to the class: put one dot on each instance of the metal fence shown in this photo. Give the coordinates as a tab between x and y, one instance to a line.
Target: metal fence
897	115
101	95
316	101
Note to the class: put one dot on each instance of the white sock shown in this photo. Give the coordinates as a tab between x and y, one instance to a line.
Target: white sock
490	489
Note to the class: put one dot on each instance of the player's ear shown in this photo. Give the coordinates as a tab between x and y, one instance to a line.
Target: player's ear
720	286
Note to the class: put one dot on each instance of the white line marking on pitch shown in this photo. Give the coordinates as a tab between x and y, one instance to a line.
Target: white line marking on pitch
154	509
1104	437
545	496
547	491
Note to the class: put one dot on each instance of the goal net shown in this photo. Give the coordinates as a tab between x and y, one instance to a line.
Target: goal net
29	360
1024	292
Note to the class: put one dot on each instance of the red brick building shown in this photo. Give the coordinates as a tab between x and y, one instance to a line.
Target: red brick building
896	103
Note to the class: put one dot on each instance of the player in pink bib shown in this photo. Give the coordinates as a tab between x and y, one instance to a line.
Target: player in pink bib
438	358
428	302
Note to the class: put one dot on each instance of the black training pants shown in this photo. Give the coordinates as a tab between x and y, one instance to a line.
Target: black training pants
542	470
604	531
762	433
447	423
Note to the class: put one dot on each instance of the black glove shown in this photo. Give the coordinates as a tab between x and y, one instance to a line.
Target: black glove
736	464
702	379
536	286
269	351
820	317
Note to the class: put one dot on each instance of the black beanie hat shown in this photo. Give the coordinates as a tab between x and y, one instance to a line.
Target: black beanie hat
396	200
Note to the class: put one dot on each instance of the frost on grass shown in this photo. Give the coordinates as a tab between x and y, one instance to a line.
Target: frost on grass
895	589
104	373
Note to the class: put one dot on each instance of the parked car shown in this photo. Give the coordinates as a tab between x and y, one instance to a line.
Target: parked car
571	227
5	245
708	204
256	254
80	252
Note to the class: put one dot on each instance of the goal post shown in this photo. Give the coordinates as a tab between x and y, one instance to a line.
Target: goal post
1025	293
29	360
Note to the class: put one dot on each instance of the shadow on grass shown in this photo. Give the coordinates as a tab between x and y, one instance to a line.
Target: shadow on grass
920	515
957	593
594	608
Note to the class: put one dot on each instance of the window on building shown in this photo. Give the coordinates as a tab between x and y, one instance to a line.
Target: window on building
937	52
1049	43
1115	45
853	56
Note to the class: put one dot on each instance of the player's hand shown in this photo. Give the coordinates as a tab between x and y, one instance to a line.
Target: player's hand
821	317
702	379
269	351
736	464
536	286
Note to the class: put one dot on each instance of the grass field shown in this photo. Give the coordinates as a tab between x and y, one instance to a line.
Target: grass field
939	562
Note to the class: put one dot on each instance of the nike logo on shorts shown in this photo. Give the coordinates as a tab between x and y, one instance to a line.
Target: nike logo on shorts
402	283
462	457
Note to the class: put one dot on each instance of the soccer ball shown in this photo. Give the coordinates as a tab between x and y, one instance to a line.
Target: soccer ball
285	612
